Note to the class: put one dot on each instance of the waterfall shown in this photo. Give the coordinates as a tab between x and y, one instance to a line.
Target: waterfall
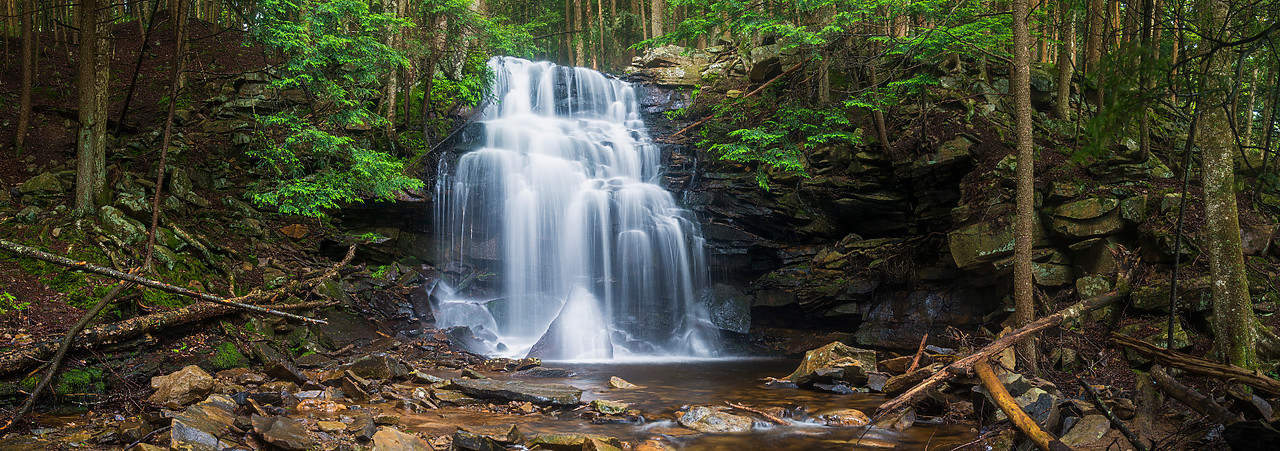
562	203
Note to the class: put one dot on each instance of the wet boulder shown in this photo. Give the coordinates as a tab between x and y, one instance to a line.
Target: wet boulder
182	387
620	383
845	418
572	442
204	426
557	394
835	361
378	366
283	432
707	419
390	439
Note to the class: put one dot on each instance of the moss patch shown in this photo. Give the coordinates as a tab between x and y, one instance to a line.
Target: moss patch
227	356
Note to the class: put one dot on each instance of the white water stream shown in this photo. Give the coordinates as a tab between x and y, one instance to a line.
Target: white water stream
562	201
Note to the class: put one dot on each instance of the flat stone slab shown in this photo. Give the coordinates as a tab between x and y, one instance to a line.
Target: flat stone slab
558	394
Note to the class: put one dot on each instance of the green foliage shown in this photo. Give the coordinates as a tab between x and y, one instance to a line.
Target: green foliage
226	356
781	140
9	303
333	51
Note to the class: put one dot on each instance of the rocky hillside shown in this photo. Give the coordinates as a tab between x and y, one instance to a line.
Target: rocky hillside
892	241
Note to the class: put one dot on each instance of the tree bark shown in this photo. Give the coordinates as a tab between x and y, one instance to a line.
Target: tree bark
1093	46
1235	336
28	69
580	48
1066	62
657	11
1023	285
175	68
91	138
389	92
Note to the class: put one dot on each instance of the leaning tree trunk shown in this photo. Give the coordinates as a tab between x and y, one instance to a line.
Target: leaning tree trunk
1235	334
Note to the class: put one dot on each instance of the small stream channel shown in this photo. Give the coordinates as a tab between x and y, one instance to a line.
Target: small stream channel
667	386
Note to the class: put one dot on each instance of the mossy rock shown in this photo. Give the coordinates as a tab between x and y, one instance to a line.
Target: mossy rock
226	356
80	386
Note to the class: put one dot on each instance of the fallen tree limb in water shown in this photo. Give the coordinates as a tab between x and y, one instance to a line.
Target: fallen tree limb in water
36	353
1011	409
31	252
772	418
964	365
1197	365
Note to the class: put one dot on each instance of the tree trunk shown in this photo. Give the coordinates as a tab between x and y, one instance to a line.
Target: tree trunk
656	14
92	80
580	48
1234	331
1246	120
1066	61
392	7
1023	288
28	67
1093	46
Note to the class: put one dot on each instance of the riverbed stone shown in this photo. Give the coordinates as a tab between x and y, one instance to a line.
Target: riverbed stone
379	366
205	426
845	418
1087	431
609	407
467	441
570	442
391	439
620	383
855	362
706	419
557	394
283	432
181	387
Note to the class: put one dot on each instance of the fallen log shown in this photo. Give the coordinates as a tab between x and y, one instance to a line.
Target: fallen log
962	366
27	251
36	353
1011	409
1197	365
1202	404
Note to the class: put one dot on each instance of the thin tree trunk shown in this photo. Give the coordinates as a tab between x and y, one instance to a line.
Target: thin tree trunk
28	69
1023	286
137	68
1066	61
1147	84
390	91
1093	46
175	68
580	49
1235	336
656	14
1246	121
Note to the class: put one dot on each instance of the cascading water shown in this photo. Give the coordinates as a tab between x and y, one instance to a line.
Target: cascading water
562	202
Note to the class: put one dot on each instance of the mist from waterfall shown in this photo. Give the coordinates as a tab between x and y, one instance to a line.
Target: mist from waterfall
563	202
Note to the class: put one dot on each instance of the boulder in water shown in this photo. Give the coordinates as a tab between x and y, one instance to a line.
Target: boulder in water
618	382
558	394
835	361
706	419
